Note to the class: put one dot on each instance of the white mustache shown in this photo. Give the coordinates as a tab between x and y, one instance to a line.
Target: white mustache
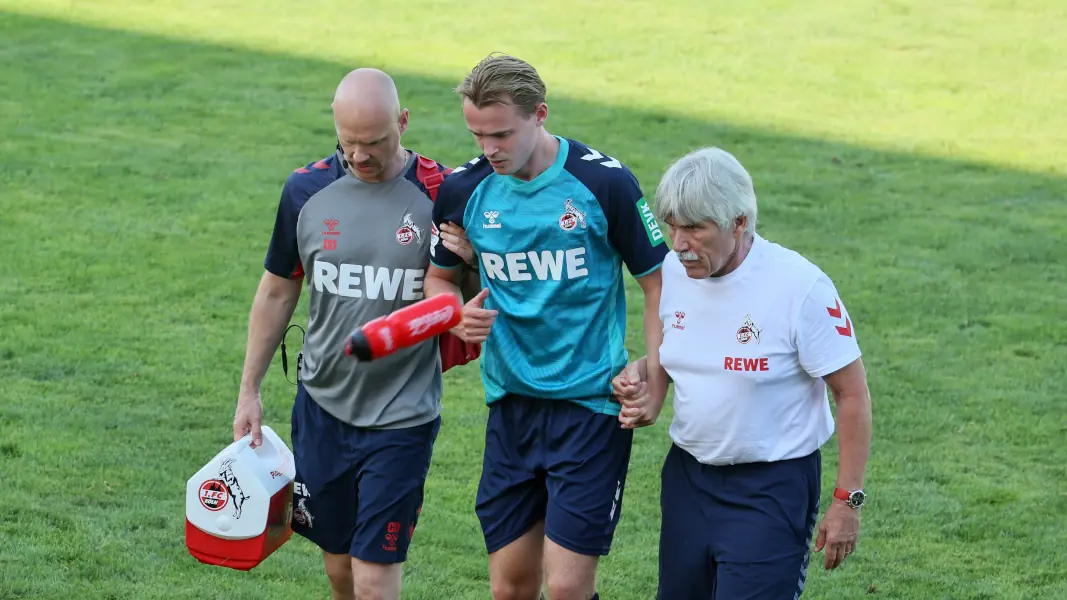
687	255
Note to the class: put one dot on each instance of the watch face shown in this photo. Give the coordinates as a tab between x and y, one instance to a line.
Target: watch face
856	498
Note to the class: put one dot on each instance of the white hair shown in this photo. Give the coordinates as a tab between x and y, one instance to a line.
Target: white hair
708	184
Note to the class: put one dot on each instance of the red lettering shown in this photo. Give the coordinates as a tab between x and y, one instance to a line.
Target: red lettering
732	363
737	363
329	244
392	528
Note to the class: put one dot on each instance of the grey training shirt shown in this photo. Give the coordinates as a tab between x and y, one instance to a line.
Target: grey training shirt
363	250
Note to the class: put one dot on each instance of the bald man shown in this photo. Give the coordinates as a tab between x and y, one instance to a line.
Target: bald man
355	229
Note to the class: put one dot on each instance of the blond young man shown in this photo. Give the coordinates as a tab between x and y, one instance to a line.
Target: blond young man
552	223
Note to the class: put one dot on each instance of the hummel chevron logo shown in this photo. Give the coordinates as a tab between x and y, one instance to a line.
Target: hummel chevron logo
611	163
461	168
835	312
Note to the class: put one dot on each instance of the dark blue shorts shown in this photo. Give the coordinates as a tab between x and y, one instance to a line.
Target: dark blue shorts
358	491
554	461
737	532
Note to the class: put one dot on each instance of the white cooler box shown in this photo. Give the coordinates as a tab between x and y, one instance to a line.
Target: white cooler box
238	508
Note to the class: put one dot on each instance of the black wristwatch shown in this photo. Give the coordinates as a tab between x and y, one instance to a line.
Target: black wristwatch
854	498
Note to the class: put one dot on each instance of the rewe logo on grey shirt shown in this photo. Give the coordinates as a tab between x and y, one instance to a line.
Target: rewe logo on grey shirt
364	251
368	281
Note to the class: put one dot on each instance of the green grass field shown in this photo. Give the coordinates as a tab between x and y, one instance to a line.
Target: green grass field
917	152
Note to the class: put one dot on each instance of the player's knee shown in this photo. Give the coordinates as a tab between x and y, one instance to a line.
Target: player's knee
516	588
570	586
376	581
339	572
366	590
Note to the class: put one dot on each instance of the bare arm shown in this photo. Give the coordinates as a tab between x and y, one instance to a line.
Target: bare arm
657	377
853	400
456	241
273	306
442	281
641	387
840	526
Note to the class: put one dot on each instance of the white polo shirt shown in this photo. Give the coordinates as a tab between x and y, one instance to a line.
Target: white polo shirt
747	353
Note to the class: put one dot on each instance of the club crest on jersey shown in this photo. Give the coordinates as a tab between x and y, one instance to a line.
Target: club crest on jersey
748	332
408	231
571	217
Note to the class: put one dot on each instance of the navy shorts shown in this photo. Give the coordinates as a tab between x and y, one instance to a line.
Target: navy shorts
555	461
737	532
358	491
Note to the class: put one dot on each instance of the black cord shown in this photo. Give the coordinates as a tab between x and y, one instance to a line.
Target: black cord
299	355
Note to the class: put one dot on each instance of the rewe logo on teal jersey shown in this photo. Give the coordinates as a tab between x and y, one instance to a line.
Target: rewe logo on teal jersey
545	265
655	236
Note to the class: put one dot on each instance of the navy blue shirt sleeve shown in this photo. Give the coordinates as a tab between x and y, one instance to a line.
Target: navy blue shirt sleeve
444	211
632	227
450	206
283	254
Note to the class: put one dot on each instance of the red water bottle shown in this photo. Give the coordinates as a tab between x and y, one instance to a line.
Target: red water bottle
405	327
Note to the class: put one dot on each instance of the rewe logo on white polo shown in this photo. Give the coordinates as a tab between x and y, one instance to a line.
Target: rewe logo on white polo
368	281
545	265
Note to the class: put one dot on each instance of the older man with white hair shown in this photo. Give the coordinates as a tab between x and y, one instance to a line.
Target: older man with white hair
753	335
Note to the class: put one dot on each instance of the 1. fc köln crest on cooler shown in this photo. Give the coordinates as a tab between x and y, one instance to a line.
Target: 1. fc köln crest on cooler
217	493
748	332
408	231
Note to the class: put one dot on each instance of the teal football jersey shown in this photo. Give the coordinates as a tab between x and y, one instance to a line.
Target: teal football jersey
551	252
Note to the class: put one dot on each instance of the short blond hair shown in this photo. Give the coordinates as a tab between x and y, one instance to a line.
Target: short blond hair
500	78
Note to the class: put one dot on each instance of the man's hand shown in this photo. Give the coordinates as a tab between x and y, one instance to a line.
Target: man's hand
838	533
627	384
477	320
631	388
249	417
455	239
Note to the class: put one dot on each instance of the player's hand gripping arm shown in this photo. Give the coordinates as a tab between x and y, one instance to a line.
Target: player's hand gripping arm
273	306
454	238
